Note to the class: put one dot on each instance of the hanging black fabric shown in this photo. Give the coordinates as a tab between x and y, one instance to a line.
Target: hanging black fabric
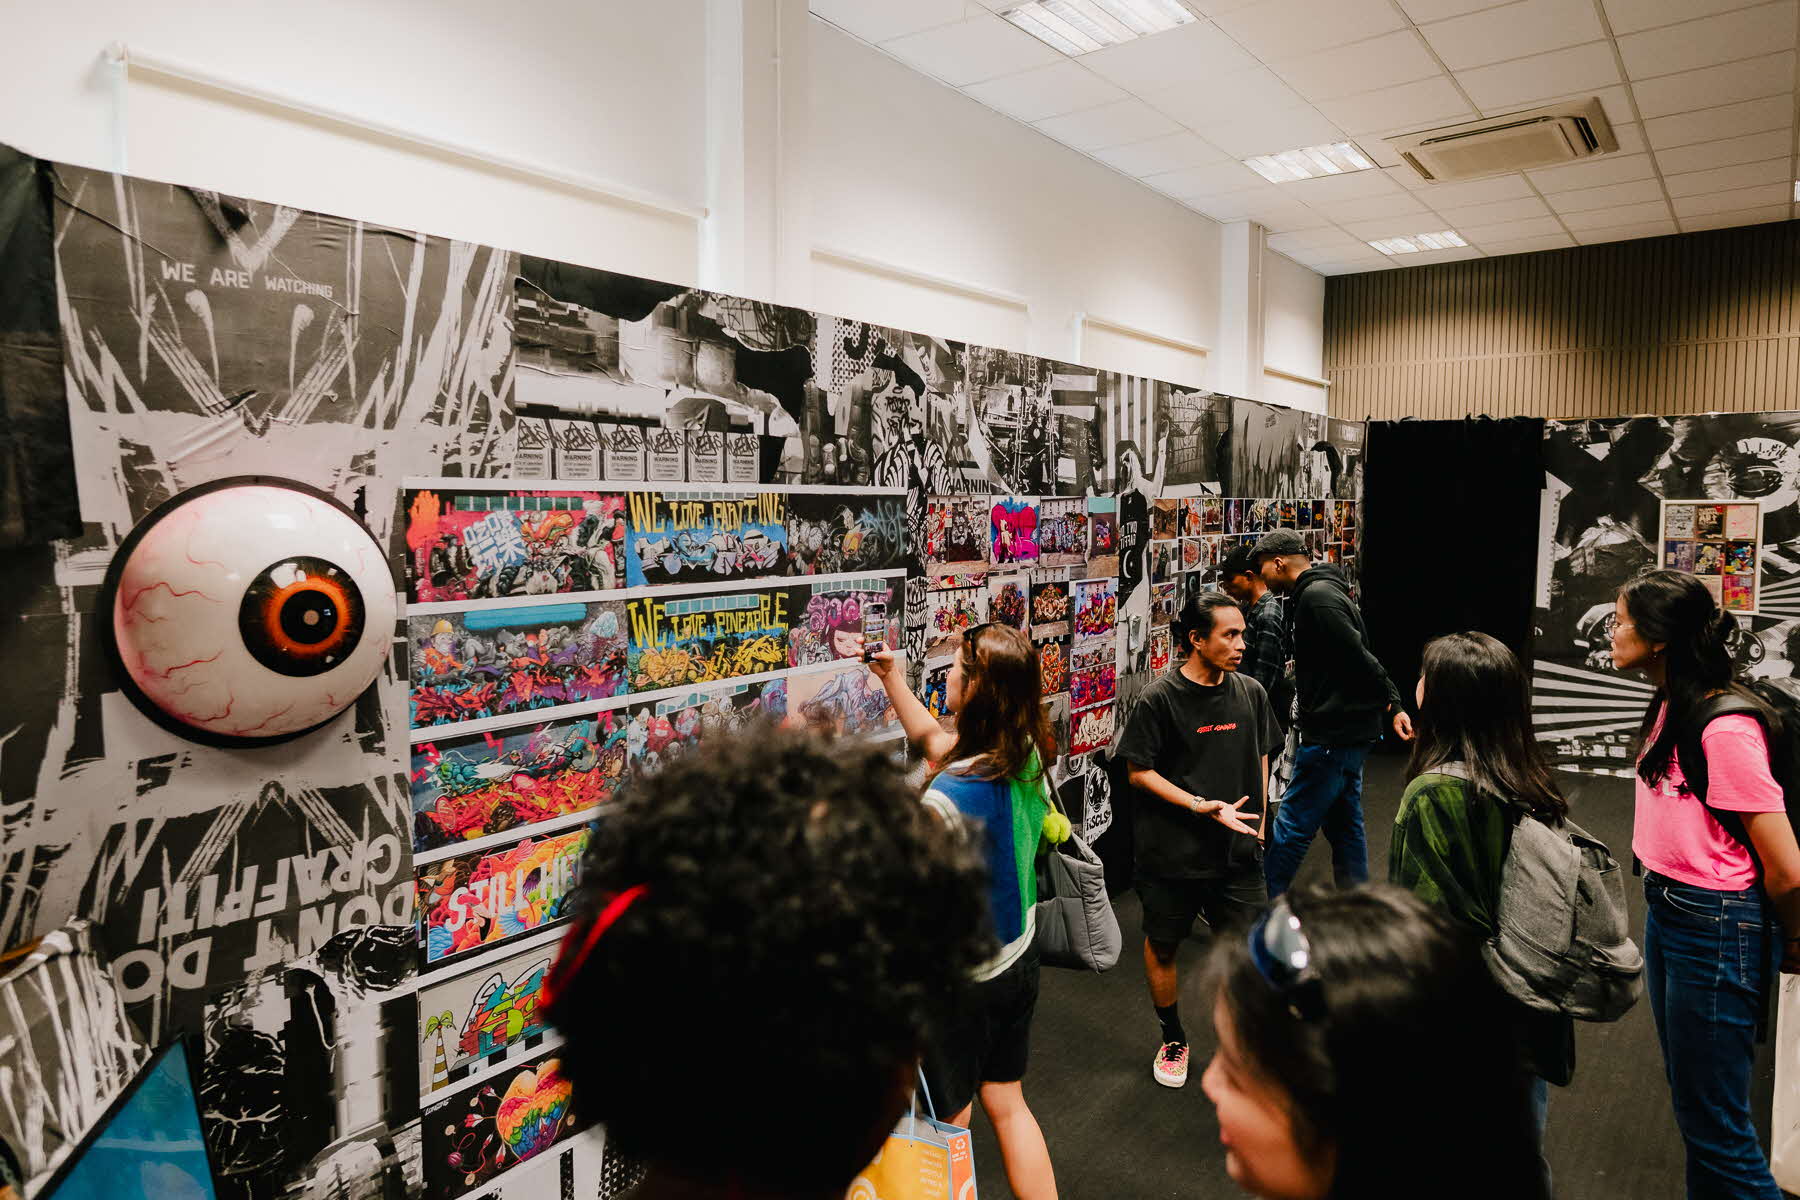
37	472
1450	541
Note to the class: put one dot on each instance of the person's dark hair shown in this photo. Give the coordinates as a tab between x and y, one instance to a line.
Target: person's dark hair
801	905
1477	711
1406	1076
1126	444
1001	719
1676	609
1197	616
1238	562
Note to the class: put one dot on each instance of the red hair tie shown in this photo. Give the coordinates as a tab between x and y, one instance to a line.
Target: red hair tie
567	963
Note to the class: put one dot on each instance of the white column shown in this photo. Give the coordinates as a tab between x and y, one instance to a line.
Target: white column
756	239
1238	369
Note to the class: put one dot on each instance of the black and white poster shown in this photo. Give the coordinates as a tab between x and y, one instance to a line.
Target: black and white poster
1603	523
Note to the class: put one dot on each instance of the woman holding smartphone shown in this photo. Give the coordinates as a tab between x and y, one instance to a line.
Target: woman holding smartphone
990	778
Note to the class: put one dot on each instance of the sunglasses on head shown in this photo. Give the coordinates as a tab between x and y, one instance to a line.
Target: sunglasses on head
1282	955
973	634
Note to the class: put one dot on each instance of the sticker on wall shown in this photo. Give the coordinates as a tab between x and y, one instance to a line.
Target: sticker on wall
498	661
1049	603
1053	664
1007	603
489	897
1090	729
488	783
1062	531
702	537
1012	524
951	613
684	640
483	1017
477	545
849	702
833	621
495	1123
1719	542
841	534
1096	607
1103	536
247	611
956	540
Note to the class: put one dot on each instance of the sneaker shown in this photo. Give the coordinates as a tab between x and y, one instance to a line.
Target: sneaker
1170	1067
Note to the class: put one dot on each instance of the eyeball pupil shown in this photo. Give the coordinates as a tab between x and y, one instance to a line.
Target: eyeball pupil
309	617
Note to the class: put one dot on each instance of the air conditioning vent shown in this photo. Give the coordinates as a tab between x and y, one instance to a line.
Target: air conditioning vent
1540	137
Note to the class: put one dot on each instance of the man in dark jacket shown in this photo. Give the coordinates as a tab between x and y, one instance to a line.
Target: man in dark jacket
1345	702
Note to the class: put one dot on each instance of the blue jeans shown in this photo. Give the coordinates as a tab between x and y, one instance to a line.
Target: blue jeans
1325	793
1707	958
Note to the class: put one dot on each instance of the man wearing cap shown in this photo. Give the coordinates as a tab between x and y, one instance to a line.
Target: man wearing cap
1345	702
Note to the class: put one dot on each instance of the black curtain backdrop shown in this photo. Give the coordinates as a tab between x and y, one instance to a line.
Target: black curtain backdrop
1450	535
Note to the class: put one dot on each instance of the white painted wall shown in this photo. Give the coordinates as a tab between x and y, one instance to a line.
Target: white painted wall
932	211
608	88
1293	332
910	172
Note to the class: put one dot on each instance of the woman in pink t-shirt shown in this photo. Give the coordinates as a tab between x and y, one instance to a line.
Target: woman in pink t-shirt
1714	928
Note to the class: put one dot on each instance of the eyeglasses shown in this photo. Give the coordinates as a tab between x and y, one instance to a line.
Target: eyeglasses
1282	955
1611	626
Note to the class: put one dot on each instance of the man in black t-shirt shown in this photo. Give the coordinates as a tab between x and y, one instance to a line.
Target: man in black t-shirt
1197	745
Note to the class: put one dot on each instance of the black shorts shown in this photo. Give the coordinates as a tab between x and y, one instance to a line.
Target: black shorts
986	1038
1228	902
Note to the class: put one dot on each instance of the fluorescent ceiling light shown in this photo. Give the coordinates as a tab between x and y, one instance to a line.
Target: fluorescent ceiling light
1442	240
1081	26
1310	162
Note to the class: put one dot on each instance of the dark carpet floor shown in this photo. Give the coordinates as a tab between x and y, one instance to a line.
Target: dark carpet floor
1114	1133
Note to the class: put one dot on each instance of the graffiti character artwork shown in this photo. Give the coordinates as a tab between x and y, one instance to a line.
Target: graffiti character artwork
842	534
486	898
494	1124
467	1021
685	640
497	661
486	783
833	621
704	537
1012	526
477	545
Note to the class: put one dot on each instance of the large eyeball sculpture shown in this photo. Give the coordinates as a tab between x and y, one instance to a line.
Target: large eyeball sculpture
248	611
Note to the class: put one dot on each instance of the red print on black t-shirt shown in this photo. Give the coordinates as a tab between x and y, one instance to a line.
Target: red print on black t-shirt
1226	728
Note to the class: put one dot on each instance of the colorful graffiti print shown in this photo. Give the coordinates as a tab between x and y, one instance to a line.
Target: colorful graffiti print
483	899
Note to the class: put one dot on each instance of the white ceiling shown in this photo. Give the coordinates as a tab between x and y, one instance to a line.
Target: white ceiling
1701	94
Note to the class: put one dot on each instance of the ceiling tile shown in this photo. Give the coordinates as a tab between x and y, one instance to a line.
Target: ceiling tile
1334	188
1490	214
1477	191
1329	237
1209	99
1512	231
1559	73
1623	214
879	20
1422	104
1251	133
1638	191
1208	180
1165	59
1768	76
1209	8
1513	31
1392	58
1262	203
1114	124
1764	196
981	47
1704	156
1285	28
1427	257
1630	138
1383	154
1044	92
1724	121
1371	208
1551	241
1279	216
1625	233
1157	155
1404	225
1423	11
1742	216
1722	179
1359	267
1746	33
1629	16
1595	172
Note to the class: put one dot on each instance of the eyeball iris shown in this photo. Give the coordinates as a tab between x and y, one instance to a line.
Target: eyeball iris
300	616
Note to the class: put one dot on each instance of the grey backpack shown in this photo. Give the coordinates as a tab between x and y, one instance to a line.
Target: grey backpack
1563	940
